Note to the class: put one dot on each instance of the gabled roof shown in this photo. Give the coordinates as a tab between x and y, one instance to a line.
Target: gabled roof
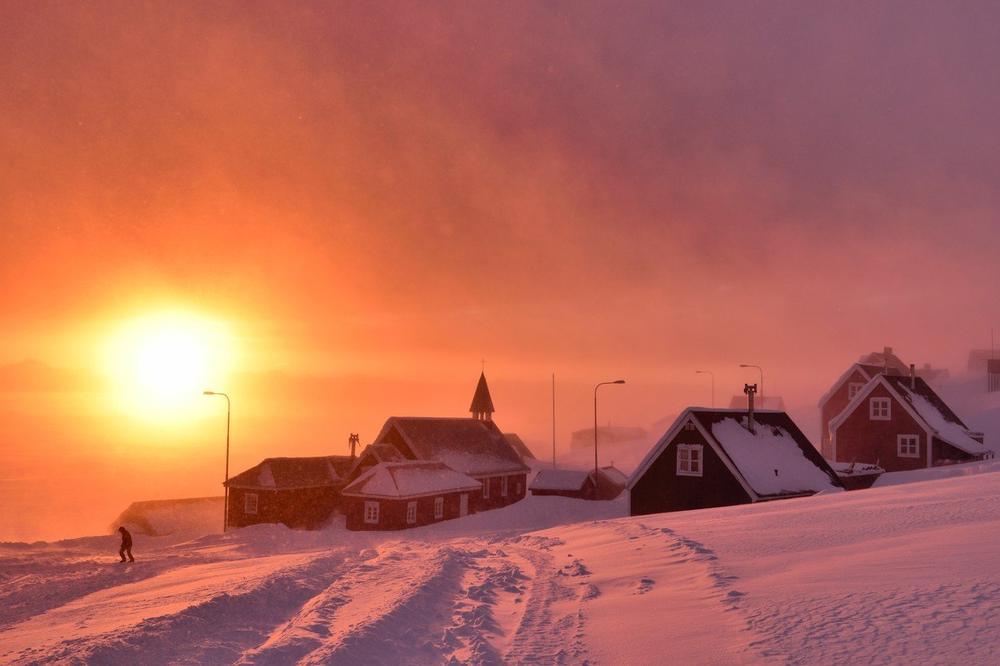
561	479
777	460
924	405
885	359
522	449
467	445
289	473
482	403
413	478
867	371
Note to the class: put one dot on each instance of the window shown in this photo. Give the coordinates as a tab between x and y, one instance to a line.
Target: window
689	459
853	389
486	488
411	512
908	446
689	425
503	486
371	513
878	409
438	508
250	504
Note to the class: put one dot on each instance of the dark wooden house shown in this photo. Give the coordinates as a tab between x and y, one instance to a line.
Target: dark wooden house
721	457
607	484
398	495
900	423
299	492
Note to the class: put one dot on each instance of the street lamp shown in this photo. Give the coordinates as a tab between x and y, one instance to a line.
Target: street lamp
225	508
712	375
761	370
617	381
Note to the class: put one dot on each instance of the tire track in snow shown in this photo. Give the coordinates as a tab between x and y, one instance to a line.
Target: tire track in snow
391	609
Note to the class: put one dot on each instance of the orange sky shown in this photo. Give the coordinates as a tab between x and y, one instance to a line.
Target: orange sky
375	196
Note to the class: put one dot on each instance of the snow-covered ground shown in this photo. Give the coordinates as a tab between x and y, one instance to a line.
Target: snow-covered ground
900	574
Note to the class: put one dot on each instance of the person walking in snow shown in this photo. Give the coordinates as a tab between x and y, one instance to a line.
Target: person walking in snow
126	545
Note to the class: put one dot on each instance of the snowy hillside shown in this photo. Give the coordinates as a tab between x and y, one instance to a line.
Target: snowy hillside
904	573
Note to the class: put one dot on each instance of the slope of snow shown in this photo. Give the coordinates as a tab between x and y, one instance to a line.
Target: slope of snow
901	574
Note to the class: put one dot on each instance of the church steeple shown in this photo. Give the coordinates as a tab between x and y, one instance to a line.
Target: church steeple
482	403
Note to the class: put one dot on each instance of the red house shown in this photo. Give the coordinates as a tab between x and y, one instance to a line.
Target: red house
299	492
398	495
721	457
835	400
900	423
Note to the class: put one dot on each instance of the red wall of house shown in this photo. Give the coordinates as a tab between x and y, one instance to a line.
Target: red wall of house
516	490
833	407
302	508
860	438
392	513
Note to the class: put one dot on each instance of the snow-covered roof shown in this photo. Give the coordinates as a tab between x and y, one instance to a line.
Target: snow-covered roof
614	475
776	460
412	478
471	446
560	479
936	414
522	449
770	458
289	473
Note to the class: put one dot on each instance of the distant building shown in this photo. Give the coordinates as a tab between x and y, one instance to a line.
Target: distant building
399	495
606	485
299	492
721	457
584	439
900	423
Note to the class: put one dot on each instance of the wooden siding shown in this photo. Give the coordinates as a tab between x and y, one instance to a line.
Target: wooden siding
517	488
833	407
307	508
392	513
660	489
862	439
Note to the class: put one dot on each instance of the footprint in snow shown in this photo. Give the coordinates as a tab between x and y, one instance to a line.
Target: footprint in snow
590	591
645	585
574	568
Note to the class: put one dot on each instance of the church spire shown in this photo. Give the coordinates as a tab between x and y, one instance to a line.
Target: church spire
482	403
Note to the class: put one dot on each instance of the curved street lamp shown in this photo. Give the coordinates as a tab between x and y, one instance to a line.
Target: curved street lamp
761	370
225	508
712	375
617	381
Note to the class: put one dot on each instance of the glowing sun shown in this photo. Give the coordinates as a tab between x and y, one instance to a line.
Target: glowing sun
160	363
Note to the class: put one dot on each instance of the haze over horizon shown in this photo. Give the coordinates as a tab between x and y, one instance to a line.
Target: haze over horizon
348	206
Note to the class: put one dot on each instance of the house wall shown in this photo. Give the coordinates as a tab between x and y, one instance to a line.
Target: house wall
306	508
833	407
661	489
517	488
861	439
392	513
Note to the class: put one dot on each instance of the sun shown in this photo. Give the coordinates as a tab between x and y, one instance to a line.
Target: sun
160	363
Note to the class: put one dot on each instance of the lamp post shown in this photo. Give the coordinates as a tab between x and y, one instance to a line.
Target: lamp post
617	381
712	375
761	370
225	508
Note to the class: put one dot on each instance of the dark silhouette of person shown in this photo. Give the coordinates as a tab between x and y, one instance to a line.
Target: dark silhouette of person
126	545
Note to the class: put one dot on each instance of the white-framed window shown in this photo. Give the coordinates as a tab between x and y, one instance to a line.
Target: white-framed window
371	513
853	389
486	488
689	425
411	512
503	486
250	504
689	459
908	446
438	508
879	409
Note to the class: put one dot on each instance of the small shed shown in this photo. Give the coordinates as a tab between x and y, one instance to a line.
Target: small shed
564	482
398	495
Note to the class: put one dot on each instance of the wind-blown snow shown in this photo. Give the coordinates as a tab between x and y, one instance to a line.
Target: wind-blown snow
770	459
903	574
949	431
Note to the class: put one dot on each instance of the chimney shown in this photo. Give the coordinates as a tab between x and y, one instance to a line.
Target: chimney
353	441
750	390
887	351
913	377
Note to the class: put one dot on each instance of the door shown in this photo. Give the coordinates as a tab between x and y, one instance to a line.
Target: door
463	505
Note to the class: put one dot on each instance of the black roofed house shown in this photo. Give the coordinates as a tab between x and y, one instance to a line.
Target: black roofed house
397	495
299	492
721	457
373	455
900	423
